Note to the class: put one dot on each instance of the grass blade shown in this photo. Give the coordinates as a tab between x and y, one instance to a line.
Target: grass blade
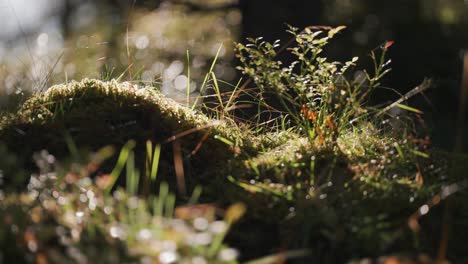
420	153
149	158
224	140
409	108
207	76
188	78
169	206
218	91
155	165
234	92
123	156
195	195
130	166
159	205
71	145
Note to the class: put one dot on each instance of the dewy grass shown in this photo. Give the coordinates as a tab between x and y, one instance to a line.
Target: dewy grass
121	162
66	215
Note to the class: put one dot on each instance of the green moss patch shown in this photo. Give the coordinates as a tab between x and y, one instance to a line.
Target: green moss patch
92	114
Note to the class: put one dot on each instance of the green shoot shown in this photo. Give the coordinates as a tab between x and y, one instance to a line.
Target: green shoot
155	164
121	161
195	195
224	140
207	76
188	79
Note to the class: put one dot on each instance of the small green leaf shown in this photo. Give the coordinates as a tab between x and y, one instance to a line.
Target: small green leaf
421	154
405	107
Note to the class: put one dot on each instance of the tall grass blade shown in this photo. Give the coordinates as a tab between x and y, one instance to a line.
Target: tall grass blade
49	73
224	140
169	206
149	158
234	92
123	73
159	205
400	151
123	156
188	79
420	153
71	145
130	166
136	181
155	165
218	91
207	76
409	108
195	195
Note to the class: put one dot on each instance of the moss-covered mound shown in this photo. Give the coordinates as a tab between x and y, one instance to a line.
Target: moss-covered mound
92	114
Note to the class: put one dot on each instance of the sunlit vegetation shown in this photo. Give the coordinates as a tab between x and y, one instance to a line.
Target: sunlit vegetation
294	163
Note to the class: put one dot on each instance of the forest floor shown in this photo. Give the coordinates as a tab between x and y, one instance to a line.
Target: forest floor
114	171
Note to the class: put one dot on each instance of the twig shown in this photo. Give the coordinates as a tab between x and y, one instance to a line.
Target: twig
418	89
190	131
179	167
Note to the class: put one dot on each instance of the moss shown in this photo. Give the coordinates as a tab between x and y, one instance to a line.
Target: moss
95	113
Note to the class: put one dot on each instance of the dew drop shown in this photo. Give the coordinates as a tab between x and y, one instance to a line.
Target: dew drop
79	214
424	209
228	254
117	231
200	223
218	227
167	257
198	260
144	234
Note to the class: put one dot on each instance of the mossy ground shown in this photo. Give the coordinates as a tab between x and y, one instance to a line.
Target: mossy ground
92	114
342	201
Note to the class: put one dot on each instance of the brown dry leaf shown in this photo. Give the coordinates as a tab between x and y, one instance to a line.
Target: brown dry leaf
235	212
41	259
419	176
